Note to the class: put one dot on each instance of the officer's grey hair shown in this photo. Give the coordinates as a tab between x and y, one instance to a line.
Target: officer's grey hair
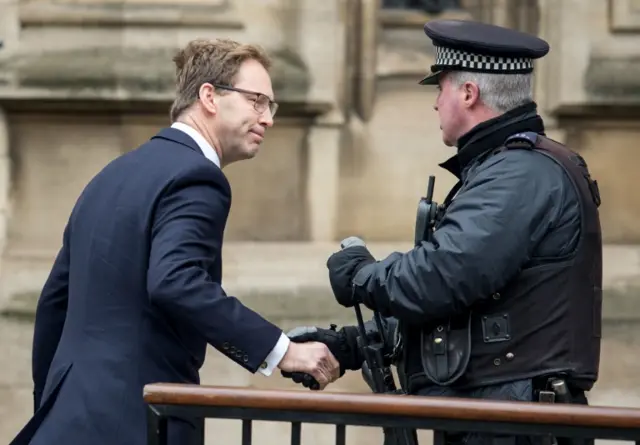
500	92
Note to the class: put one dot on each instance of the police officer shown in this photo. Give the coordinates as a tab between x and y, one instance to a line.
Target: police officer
507	294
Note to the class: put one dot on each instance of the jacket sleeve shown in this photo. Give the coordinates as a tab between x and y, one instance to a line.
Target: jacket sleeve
51	313
186	241
486	236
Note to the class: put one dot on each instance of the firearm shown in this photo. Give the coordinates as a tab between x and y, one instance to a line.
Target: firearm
375	370
426	216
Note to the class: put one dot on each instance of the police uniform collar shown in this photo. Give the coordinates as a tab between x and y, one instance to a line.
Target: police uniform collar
491	134
463	45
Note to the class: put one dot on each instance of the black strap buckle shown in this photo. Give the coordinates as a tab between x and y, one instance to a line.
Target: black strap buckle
595	190
527	139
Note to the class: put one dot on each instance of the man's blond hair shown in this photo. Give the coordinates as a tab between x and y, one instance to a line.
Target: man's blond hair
213	61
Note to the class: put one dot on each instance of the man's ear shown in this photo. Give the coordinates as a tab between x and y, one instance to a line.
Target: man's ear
208	98
471	94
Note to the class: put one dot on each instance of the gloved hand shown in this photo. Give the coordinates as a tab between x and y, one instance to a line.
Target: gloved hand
342	344
343	266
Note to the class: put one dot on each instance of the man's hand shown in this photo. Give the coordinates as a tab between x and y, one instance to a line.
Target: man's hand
343	266
312	358
343	344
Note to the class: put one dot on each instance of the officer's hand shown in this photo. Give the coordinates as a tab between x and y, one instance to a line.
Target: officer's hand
342	344
343	266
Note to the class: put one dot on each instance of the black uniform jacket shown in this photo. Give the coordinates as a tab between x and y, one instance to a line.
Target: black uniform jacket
514	209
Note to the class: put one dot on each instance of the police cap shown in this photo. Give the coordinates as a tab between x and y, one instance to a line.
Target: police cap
473	46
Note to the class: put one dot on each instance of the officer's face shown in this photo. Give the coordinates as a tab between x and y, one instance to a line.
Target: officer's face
450	111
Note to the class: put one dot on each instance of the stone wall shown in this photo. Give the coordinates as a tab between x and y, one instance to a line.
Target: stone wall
589	87
356	137
74	97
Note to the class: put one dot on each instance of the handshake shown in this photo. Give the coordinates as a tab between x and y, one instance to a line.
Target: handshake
317	357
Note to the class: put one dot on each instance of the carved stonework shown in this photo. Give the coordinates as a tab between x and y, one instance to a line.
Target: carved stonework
367	34
390	42
613	80
218	13
213	3
121	73
5	178
624	15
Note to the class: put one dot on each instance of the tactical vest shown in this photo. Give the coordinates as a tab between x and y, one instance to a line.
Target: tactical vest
546	321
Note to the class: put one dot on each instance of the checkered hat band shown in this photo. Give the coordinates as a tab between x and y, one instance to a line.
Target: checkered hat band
465	59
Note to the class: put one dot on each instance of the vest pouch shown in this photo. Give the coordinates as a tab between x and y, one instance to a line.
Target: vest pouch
446	351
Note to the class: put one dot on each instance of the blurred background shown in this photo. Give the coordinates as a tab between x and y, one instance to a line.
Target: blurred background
82	81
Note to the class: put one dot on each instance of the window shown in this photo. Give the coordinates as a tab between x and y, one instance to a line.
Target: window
428	6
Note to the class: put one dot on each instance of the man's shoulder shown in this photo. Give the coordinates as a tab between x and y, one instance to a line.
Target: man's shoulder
171	161
527	164
153	169
533	173
533	164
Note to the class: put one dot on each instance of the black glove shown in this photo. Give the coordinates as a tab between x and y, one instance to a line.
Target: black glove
342	344
343	266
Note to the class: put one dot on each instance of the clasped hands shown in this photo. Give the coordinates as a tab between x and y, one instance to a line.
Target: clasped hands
311	363
340	351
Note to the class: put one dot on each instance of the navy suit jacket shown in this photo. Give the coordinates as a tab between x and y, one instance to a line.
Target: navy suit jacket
134	297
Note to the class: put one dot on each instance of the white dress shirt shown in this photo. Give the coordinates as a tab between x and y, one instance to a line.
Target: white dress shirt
276	354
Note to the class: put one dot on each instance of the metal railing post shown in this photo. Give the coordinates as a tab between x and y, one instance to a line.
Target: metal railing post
156	427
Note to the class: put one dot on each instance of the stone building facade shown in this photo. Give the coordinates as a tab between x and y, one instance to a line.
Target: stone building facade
82	81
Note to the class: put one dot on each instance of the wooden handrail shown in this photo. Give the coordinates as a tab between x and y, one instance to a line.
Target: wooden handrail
418	407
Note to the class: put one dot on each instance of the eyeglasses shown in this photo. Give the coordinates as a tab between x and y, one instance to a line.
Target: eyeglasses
260	102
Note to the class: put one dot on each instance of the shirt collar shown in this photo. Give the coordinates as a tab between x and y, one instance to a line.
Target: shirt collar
207	149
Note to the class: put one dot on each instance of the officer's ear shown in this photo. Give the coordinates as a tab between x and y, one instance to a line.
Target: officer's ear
471	94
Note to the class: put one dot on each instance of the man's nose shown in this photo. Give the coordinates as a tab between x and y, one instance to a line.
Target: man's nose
435	107
266	118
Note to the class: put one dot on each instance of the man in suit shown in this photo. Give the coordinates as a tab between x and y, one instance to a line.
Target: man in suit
135	292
